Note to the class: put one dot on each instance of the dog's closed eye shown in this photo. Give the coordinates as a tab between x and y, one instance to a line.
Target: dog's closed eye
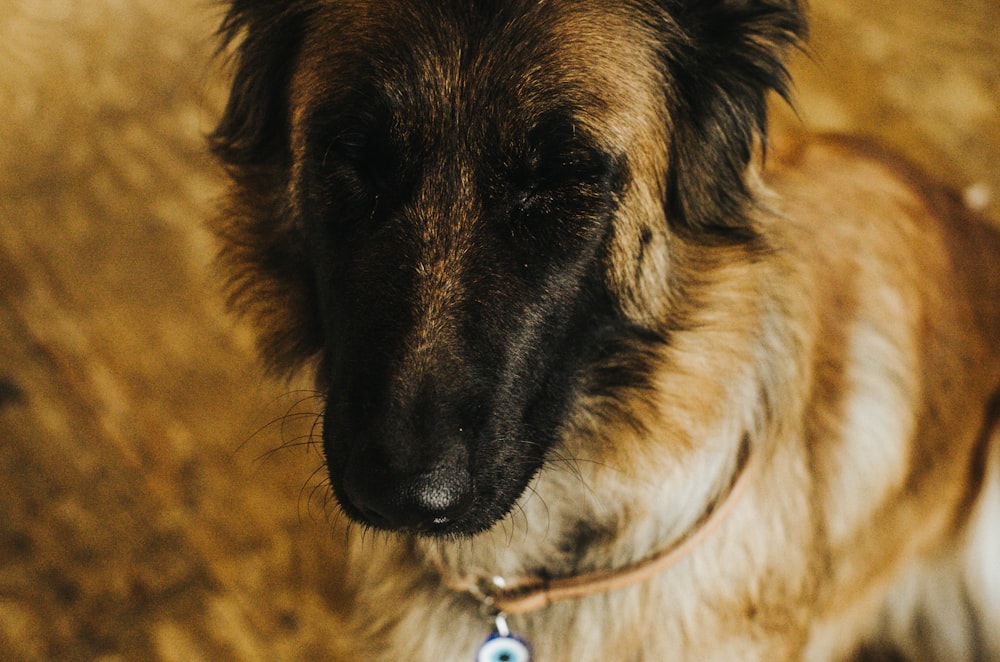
559	156
562	175
354	172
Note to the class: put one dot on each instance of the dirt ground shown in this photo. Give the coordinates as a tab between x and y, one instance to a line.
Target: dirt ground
155	501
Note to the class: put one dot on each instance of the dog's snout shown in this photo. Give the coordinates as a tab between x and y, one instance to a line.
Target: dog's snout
426	501
402	456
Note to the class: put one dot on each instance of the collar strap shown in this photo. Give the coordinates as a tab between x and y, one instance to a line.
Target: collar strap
532	594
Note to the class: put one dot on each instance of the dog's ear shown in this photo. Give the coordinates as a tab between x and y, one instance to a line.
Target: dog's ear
268	277
263	36
730	56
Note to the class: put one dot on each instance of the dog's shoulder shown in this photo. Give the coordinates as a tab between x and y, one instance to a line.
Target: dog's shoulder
857	172
848	158
861	211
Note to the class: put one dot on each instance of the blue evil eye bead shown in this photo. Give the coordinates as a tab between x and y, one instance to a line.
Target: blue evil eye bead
499	648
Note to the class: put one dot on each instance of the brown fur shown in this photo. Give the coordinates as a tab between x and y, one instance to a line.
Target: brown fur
837	309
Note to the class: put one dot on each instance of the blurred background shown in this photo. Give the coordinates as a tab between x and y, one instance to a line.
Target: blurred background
158	499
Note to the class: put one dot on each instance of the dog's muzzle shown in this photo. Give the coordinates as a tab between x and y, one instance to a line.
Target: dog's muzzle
427	499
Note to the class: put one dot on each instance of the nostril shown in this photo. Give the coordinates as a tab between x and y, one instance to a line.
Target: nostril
440	496
428	501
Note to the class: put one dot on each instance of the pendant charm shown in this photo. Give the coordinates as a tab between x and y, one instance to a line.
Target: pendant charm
502	646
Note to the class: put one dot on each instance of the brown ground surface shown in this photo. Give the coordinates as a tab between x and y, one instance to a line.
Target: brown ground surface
142	516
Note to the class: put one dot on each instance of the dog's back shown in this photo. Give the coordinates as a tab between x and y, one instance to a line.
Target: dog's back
911	282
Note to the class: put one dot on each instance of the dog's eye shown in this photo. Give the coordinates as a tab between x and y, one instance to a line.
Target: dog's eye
352	172
570	174
561	166
571	165
359	157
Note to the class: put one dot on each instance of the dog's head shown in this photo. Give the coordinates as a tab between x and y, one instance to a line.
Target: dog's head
475	213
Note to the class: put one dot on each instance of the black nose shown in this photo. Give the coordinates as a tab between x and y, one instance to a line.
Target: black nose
427	501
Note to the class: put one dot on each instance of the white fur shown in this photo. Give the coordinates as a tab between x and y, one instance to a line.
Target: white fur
982	556
873	452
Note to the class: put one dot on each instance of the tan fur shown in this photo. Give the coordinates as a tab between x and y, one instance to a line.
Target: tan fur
866	317
852	340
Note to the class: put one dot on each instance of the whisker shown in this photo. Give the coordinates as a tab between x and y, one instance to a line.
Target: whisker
290	414
320	485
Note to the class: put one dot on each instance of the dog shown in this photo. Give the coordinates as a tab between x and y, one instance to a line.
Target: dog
607	376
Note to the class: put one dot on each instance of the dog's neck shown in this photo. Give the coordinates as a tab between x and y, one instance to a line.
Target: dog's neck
531	593
583	553
626	496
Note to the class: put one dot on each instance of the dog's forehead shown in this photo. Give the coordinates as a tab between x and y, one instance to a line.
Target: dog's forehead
468	60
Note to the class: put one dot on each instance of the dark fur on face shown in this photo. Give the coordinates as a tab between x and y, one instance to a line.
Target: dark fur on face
438	202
